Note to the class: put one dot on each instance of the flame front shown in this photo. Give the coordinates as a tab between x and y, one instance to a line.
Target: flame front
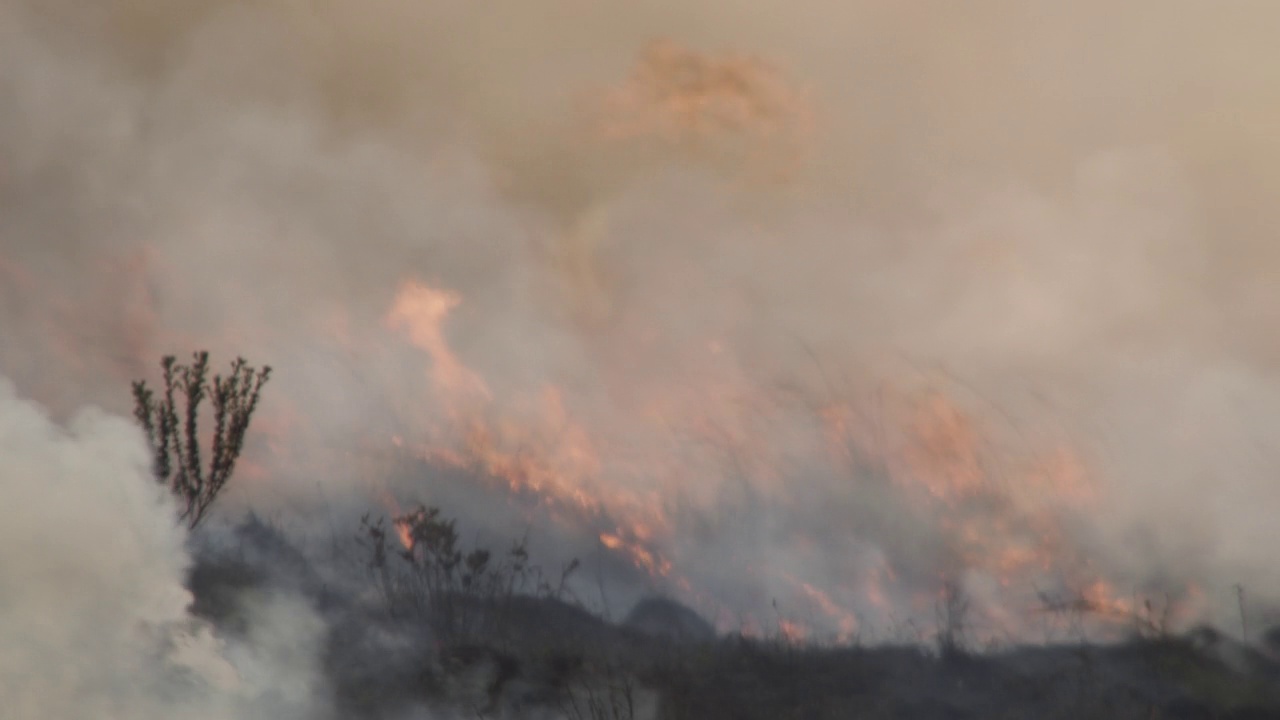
981	517
835	515
541	451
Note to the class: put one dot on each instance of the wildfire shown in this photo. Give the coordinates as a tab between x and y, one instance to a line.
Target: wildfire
1100	598
1002	520
989	515
849	514
538	449
420	311
404	532
114	312
695	100
635	550
944	455
792	632
848	622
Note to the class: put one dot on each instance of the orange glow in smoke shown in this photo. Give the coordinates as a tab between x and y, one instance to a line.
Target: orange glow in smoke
638	554
792	632
699	102
610	463
847	621
944	456
393	508
1000	518
1100	597
539	449
420	311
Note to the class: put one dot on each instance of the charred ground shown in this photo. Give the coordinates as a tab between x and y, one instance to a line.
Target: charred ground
516	649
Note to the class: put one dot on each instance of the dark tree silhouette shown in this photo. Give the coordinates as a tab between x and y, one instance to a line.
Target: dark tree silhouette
173	434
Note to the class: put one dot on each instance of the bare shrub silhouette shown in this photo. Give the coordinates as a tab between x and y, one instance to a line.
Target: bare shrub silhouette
173	432
953	620
466	594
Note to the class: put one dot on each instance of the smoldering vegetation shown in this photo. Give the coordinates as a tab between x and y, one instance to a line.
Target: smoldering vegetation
511	651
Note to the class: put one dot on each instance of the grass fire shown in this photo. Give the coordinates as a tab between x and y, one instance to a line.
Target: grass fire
427	360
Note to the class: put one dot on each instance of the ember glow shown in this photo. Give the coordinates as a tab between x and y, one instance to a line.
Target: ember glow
801	319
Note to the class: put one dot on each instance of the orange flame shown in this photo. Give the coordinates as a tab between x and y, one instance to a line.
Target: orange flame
847	621
792	632
999	518
541	450
420	311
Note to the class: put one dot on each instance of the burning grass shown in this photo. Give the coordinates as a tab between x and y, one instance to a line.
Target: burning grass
919	495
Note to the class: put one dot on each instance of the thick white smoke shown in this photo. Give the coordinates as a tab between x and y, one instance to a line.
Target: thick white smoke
93	611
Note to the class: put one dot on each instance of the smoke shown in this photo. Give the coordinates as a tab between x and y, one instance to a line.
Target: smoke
1064	210
95	619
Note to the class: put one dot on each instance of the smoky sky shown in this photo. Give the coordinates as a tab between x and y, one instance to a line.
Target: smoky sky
1065	209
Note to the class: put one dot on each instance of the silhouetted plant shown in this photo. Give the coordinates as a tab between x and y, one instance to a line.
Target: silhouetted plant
466	594
173	431
611	696
953	619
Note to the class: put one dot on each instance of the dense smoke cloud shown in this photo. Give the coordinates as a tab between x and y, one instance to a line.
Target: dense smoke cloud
95	619
1065	210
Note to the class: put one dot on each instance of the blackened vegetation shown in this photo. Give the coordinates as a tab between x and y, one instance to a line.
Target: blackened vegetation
422	571
256	558
424	627
173	431
434	629
1167	678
